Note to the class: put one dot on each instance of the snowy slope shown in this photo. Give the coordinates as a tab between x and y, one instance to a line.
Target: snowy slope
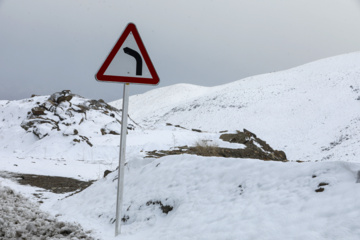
58	139
218	198
312	112
156	102
16	212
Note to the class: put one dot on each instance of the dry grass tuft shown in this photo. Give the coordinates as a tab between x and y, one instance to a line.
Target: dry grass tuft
206	148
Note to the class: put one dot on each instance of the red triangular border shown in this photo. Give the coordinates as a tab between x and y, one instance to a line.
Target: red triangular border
110	78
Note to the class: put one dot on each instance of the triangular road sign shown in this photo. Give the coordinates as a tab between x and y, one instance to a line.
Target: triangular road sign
128	61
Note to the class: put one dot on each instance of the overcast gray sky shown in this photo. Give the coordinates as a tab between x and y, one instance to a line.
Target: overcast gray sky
47	46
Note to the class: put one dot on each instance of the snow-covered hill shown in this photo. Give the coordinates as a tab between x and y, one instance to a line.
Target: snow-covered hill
312	112
59	129
225	198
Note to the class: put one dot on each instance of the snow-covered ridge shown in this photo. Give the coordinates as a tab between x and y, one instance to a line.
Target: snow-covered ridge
163	99
303	110
311	112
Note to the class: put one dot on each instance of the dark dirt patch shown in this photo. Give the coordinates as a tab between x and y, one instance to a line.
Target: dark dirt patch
51	183
241	189
322	184
164	208
320	187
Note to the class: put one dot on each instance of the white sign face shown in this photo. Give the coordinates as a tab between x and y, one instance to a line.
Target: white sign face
124	64
128	61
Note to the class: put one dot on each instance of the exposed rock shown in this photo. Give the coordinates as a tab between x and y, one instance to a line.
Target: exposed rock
196	130
248	133
100	104
82	139
41	127
321	187
70	132
62	110
106	131
114	128
107	172
280	154
59	97
103	131
89	143
64	98
111	128
238	137
178	126
255	149
164	208
38	111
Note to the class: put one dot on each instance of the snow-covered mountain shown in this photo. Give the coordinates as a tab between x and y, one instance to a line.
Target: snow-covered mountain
311	112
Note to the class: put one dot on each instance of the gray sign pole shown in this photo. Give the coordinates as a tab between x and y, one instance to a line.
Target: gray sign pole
120	190
118	71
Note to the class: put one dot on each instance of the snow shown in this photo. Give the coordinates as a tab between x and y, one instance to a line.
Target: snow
311	112
22	219
300	110
232	198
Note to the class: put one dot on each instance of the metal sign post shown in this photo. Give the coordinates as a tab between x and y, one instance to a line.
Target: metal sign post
124	117
119	66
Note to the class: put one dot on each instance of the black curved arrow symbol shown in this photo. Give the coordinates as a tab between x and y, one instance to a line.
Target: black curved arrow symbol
137	57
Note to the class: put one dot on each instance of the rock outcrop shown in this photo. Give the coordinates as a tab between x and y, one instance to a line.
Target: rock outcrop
64	113
254	148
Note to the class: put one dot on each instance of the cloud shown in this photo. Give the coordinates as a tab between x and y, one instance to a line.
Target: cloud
49	46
